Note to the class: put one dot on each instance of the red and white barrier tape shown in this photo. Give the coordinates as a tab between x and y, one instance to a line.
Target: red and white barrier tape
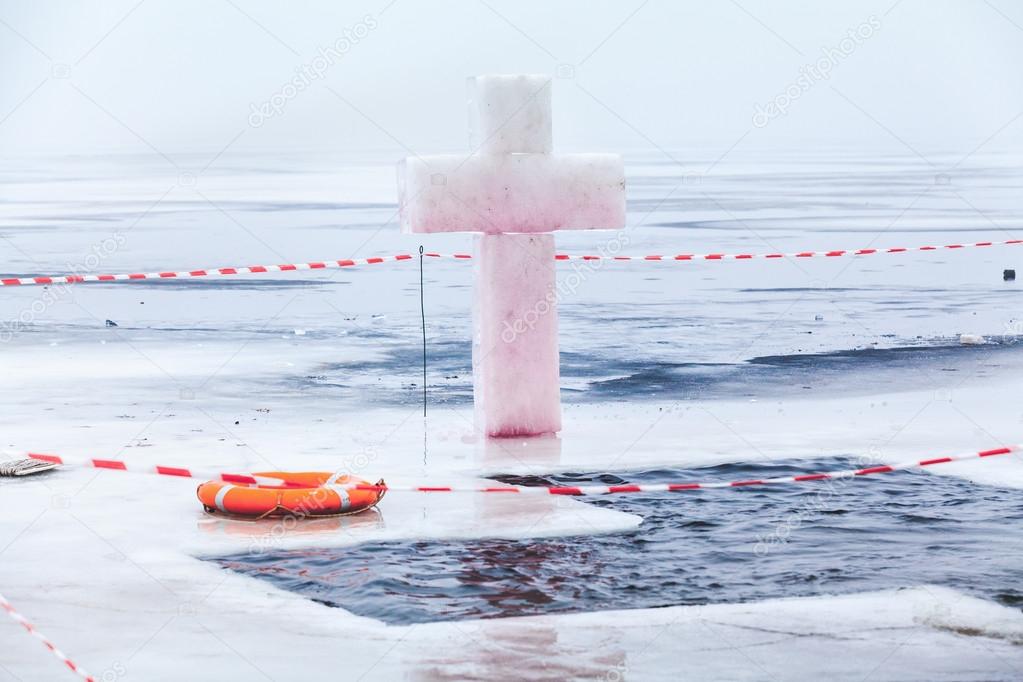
159	470
31	629
796	254
209	272
683	486
251	479
333	264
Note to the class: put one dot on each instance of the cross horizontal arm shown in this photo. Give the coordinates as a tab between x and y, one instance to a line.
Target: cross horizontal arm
512	193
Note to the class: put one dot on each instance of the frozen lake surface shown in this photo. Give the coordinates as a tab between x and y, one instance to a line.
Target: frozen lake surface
667	368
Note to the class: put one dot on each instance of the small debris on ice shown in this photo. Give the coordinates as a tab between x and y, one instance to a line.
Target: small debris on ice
1009	275
110	323
24	467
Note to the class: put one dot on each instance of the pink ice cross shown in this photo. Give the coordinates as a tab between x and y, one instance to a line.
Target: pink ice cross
514	192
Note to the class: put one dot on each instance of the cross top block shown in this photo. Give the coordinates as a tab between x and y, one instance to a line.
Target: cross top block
512	182
510	114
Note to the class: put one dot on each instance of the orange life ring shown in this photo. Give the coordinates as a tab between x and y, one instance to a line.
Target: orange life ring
326	495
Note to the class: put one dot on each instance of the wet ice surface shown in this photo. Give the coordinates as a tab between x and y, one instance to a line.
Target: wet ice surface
704	548
599	378
673	366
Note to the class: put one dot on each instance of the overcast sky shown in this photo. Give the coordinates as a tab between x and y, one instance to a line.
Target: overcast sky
187	75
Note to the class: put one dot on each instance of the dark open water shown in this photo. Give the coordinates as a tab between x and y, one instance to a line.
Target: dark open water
713	546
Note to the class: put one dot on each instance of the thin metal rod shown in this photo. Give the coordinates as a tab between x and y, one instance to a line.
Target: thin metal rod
422	311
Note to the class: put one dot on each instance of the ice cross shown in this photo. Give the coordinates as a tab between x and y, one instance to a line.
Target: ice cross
515	192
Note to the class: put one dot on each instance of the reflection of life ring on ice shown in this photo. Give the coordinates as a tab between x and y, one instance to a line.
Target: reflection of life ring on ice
265	532
327	494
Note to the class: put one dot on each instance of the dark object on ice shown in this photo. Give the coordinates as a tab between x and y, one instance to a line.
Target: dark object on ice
111	323
25	467
1009	275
